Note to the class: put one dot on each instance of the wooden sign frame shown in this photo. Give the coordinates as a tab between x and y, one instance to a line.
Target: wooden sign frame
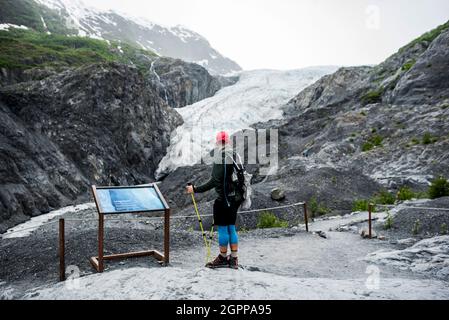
98	262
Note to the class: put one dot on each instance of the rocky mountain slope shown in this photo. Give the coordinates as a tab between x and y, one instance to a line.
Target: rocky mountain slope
78	111
99	124
73	17
29	55
390	121
356	132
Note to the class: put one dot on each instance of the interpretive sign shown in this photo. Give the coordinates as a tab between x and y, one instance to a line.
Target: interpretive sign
129	200
123	200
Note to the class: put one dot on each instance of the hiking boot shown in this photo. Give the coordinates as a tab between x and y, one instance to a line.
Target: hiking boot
233	262
219	262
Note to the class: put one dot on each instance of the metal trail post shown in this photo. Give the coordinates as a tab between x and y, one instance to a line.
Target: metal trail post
167	237
61	250
306	219
370	231
100	243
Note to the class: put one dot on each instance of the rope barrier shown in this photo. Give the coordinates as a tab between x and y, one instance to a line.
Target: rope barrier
411	207
206	215
7	233
247	212
149	218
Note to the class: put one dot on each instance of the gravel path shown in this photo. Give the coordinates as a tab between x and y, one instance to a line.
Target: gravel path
276	264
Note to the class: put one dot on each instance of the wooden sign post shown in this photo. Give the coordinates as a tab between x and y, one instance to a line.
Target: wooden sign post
125	200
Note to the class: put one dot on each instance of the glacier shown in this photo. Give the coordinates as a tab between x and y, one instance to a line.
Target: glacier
257	97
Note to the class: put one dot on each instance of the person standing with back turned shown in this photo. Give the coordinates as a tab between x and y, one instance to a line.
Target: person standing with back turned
225	206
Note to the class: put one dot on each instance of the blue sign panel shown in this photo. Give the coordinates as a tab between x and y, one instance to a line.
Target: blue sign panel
124	200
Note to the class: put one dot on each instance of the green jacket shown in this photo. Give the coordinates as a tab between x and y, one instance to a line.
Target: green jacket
218	179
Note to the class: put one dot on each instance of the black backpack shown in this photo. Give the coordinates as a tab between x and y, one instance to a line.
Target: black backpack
238	179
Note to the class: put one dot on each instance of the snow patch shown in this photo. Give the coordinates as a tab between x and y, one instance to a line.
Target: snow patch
7	26
204	63
26	228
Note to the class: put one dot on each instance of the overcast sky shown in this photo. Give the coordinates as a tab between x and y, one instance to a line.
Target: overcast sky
289	34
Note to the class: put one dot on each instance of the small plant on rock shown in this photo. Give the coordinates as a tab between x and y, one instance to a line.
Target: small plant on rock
428	138
373	96
443	229
408	65
388	222
318	209
384	197
269	220
361	205
373	142
439	188
405	193
416	227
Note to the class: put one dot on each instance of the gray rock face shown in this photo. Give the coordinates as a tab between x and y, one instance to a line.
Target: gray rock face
332	90
12	76
184	83
101	124
429	75
334	121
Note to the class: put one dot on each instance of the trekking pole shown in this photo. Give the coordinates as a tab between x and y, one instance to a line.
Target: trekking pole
206	243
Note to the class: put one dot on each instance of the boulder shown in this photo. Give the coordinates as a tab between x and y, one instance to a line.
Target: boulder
277	194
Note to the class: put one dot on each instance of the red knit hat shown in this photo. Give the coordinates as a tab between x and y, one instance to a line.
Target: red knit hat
223	138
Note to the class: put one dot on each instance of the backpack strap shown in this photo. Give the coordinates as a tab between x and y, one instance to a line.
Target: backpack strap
234	157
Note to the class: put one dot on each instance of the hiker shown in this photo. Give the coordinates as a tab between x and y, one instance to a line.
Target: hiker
226	205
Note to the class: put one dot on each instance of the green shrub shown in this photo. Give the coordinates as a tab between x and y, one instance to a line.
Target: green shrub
269	220
388	222
373	96
405	193
361	205
318	209
439	188
384	197
408	65
428	139
443	229
416	227
367	146
373	142
415	141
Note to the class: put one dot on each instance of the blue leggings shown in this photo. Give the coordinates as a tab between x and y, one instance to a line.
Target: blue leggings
227	235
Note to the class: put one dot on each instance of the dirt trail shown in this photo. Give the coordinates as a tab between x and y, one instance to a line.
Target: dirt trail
277	264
